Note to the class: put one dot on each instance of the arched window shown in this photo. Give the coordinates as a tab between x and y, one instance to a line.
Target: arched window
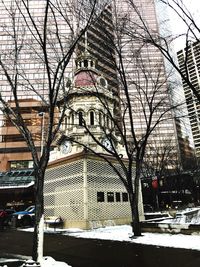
80	118
72	119
104	119
100	119
108	121
85	63
91	117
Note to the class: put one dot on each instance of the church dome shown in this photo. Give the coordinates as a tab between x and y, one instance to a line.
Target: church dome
85	78
86	73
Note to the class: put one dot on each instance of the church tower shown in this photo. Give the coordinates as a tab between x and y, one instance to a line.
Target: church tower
81	187
90	107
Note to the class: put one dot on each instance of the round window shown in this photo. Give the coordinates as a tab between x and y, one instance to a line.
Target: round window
102	82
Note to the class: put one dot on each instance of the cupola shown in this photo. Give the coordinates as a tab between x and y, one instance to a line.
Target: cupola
85	61
85	73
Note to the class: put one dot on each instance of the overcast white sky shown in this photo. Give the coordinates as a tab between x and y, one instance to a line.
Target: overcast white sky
178	27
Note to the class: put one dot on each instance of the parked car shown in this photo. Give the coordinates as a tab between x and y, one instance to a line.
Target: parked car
25	217
5	216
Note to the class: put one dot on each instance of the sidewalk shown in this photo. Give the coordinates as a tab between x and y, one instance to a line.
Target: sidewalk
79	252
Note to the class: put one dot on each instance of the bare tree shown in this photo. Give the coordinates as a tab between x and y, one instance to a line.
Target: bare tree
144	109
40	42
148	110
164	41
164	160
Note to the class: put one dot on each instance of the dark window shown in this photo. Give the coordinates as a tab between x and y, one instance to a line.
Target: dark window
14	138
91	118
80	118
72	119
118	197
110	197
124	197
108	120
100	196
85	63
100	119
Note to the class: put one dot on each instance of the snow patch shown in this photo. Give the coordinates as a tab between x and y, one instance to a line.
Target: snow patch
124	233
50	262
45	262
186	217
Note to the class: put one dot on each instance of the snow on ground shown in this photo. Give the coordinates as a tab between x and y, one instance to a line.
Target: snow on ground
50	262
185	217
123	233
46	262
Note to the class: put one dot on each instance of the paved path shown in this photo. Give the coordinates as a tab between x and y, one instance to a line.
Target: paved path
97	253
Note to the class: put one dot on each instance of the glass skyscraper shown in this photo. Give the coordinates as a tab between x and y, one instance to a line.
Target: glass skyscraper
189	63
143	63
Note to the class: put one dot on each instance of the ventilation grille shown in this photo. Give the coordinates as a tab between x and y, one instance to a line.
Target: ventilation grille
63	191
103	182
87	189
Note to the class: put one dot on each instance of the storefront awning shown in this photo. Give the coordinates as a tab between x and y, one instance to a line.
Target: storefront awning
16	179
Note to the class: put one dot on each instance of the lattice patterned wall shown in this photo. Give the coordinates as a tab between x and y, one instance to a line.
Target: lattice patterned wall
63	191
102	178
85	190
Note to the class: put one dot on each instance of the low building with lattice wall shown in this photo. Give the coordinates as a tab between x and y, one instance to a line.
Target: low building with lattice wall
86	193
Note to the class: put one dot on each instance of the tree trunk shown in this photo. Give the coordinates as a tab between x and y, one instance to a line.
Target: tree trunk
136	227
38	236
134	201
136	222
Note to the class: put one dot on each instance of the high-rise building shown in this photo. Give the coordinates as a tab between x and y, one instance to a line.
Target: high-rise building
189	63
143	67
146	77
143	63
14	152
98	42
